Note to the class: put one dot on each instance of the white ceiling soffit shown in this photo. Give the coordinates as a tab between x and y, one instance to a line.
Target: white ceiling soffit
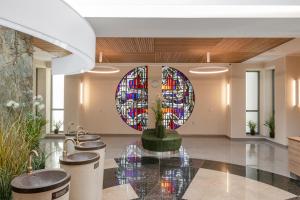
187	8
57	23
191	18
210	28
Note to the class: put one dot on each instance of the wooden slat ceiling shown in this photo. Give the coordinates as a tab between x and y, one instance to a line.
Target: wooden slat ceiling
51	48
183	50
174	50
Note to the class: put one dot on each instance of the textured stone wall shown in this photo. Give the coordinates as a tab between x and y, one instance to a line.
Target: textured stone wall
16	66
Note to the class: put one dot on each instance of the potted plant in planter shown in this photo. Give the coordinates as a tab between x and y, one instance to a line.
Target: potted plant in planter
252	127
57	126
271	125
160	139
160	129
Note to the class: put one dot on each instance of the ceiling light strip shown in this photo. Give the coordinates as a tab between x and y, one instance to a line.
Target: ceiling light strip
209	70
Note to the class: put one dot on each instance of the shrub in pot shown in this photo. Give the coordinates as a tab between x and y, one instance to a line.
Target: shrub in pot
252	127
271	125
57	126
159	127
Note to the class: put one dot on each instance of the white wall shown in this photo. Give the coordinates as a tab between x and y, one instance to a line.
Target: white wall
98	113
42	86
211	116
292	112
280	99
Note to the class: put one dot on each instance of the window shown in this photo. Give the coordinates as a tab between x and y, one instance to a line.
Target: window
57	109
252	98
273	92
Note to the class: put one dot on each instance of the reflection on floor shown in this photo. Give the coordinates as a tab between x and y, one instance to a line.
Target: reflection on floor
140	174
256	154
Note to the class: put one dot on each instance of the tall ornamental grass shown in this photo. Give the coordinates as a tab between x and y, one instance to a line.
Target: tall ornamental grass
14	151
20	132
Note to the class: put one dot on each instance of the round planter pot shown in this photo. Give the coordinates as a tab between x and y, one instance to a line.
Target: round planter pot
171	141
252	133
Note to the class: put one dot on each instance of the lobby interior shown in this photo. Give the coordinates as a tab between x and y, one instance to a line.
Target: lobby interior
121	100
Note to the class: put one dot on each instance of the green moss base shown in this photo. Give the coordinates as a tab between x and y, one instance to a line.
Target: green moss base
171	142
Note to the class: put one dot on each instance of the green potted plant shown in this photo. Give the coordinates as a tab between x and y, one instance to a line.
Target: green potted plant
57	126
271	125
252	127
160	129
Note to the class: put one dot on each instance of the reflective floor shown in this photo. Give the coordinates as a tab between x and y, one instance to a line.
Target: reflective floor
204	168
256	154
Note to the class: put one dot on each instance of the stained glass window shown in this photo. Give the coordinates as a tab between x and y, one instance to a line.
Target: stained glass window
132	98
178	98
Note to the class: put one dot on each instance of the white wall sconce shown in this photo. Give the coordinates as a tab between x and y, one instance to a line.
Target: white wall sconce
81	93
227	94
294	93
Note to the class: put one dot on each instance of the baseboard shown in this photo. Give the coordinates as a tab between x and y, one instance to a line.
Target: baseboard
250	138
258	138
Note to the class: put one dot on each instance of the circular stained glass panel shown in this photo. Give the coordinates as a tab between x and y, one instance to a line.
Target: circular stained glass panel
178	98
132	98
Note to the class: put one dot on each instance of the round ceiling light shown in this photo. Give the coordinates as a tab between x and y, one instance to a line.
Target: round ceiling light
209	70
104	70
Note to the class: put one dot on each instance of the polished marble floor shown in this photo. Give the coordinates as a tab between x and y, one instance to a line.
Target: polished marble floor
256	154
204	168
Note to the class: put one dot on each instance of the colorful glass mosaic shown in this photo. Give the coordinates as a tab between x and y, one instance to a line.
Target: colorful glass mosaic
132	98
178	98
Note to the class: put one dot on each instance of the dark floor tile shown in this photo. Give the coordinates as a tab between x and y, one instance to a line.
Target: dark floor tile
110	179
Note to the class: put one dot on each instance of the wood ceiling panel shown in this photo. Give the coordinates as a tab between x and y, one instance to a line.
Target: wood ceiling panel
125	45
234	57
189	50
130	57
175	50
47	46
179	57
185	44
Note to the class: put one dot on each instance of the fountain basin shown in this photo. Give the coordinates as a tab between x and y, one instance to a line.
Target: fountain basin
42	185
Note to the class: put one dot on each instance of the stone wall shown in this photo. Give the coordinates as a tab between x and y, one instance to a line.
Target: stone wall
16	67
